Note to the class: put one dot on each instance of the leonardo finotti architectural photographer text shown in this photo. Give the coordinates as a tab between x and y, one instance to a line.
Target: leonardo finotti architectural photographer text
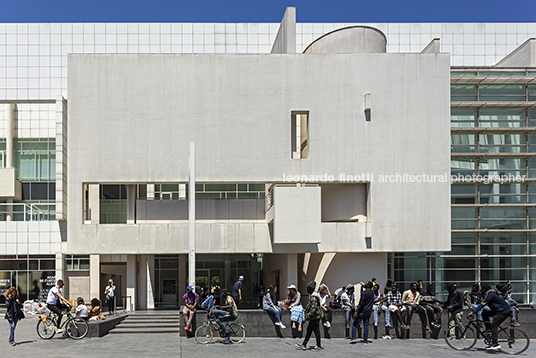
401	178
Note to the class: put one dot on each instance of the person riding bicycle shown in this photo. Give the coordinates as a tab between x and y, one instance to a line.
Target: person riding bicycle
499	310
226	313
56	302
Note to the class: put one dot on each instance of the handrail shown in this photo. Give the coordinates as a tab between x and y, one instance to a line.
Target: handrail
28	211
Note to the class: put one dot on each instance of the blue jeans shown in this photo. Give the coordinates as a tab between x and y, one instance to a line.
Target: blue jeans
208	303
223	316
365	317
375	308
12	325
479	313
276	312
347	315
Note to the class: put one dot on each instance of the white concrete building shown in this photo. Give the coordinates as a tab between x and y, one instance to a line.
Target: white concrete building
322	152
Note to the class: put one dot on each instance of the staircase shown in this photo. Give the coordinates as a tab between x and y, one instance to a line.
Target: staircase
144	322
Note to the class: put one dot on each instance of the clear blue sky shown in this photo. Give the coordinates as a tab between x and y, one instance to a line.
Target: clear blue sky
267	10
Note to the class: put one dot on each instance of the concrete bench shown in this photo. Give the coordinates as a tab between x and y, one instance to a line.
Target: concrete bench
102	327
258	324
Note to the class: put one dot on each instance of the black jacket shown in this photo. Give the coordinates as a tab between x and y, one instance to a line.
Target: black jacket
10	305
455	299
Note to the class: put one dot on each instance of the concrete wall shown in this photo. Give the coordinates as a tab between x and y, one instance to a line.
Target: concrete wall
213	98
285	40
344	202
297	215
151	211
10	187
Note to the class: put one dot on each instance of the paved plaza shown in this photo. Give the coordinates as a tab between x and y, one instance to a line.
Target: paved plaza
167	345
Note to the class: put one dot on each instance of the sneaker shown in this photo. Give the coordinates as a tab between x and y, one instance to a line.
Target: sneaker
277	323
317	348
282	325
366	343
494	347
61	330
353	341
388	325
328	324
387	337
450	338
515	324
300	346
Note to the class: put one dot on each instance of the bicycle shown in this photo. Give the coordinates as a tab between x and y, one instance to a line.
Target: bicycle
75	327
205	333
511	339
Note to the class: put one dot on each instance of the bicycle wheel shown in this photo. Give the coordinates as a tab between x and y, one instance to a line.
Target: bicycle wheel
77	328
46	329
513	340
204	334
237	333
465	338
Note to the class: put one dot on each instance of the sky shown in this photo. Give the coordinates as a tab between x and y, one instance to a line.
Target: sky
267	10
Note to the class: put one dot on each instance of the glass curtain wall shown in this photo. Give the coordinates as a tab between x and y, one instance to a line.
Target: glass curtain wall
492	219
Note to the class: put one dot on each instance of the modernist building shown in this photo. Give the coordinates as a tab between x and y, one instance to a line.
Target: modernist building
322	152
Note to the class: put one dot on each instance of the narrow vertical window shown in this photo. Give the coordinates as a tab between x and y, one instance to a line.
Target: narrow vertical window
367	107
300	135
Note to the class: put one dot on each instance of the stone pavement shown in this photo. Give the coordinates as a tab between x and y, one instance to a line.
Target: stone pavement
167	345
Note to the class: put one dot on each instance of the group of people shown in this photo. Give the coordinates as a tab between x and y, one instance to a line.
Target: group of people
56	303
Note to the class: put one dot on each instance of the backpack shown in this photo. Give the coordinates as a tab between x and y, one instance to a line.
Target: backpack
467	298
313	311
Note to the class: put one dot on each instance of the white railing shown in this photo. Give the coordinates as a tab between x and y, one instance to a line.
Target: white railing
25	212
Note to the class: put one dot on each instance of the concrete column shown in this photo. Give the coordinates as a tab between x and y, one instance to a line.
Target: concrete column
94	276
150	282
132	262
292	270
182	272
142	282
60	259
132	195
9	153
94	203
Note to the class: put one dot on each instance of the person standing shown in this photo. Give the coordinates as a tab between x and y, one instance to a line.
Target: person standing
190	301
454	306
363	312
499	310
237	290
348	302
14	312
110	296
313	314
323	292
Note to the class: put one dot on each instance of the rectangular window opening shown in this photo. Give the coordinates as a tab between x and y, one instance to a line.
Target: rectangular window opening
300	135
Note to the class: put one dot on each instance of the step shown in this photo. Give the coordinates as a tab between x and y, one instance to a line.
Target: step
147	325
119	330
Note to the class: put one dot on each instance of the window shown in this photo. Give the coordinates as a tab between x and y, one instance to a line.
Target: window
300	135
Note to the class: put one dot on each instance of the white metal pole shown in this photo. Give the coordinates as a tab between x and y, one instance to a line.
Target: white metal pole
191	216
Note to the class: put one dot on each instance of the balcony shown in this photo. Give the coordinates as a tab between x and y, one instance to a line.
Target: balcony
10	186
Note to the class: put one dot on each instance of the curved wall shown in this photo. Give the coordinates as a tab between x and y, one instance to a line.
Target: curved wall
355	39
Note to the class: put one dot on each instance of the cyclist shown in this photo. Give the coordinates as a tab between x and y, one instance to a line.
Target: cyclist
499	310
56	302
227	312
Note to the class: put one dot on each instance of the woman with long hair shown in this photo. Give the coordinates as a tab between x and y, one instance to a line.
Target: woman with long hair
269	306
14	312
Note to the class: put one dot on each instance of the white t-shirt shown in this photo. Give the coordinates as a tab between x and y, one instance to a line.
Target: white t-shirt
323	298
52	299
81	311
109	291
347	300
